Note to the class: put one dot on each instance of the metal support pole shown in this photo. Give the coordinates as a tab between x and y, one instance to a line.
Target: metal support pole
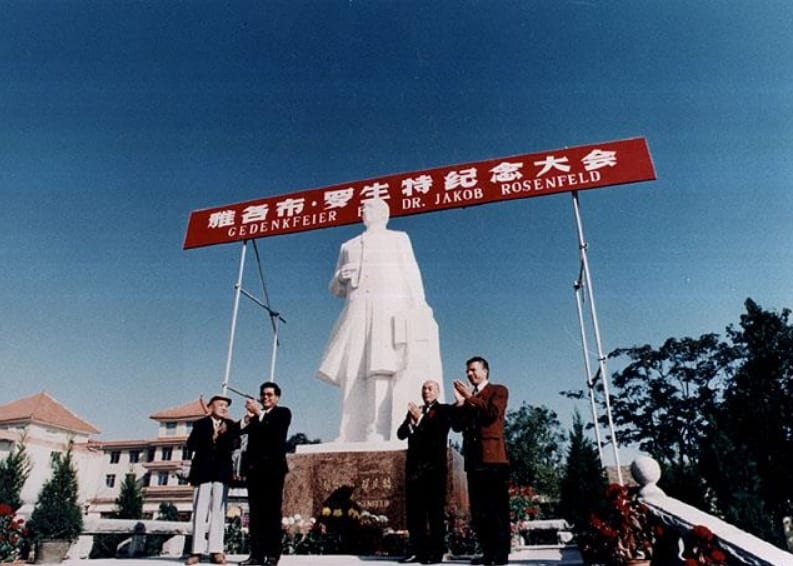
275	318
589	380
235	310
603	370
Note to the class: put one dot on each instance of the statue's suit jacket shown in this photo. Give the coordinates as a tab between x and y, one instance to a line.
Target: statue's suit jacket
387	282
481	420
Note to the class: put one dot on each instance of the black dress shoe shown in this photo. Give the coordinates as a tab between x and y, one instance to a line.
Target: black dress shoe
412	559
270	560
251	561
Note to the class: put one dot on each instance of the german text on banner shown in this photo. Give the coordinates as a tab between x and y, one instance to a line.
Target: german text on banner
469	184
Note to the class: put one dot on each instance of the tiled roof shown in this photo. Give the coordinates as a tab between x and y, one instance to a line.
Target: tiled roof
189	411
43	409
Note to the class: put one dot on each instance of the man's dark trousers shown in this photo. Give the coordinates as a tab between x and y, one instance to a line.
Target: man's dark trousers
488	492
265	497
425	499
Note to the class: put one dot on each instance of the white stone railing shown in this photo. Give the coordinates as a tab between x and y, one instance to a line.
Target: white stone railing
746	548
137	529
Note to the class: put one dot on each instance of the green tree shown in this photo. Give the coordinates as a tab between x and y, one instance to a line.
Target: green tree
665	400
57	515
14	472
534	443
718	417
168	512
583	481
129	503
751	450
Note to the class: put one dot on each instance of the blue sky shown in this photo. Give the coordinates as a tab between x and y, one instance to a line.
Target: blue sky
119	118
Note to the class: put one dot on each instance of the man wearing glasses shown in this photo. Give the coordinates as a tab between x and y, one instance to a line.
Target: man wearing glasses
267	427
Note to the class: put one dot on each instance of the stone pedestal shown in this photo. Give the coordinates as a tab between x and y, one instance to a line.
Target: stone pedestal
376	476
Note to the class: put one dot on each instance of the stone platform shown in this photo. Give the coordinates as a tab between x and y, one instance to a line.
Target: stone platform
376	474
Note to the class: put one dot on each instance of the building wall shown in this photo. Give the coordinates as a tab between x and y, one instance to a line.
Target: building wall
41	442
101	467
159	468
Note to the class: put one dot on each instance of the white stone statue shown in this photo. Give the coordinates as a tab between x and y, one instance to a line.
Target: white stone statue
385	343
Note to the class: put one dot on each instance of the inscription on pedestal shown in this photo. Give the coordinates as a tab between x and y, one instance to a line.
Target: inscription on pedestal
377	480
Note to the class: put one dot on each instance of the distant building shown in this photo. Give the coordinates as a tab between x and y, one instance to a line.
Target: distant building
156	462
45	426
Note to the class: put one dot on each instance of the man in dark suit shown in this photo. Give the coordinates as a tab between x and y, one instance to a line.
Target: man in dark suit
211	442
479	414
426	429
267	427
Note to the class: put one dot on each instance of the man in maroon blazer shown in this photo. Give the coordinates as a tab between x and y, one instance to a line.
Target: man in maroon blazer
479	414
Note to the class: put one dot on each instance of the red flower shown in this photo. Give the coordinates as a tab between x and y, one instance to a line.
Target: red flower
5	509
718	556
702	532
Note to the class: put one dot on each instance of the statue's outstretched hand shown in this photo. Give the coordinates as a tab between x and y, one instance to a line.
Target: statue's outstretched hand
347	272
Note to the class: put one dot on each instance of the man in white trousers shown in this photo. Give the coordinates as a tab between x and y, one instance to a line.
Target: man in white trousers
211	442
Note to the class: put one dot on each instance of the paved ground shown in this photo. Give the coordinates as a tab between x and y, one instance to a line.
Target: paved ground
536	556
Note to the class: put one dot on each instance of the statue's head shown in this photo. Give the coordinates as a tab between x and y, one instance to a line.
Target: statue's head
375	212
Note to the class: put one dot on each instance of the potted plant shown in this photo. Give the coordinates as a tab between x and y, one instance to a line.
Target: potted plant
621	532
57	519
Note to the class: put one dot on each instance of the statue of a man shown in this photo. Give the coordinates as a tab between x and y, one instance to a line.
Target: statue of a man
385	343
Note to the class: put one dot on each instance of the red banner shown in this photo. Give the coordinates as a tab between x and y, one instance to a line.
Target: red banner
469	184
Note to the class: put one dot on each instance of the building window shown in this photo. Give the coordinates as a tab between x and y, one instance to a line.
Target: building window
150	456
110	480
182	480
162	478
167	452
115	456
146	480
134	456
170	429
186	453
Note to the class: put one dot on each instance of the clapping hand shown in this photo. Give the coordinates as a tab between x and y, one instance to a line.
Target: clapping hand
414	411
461	391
